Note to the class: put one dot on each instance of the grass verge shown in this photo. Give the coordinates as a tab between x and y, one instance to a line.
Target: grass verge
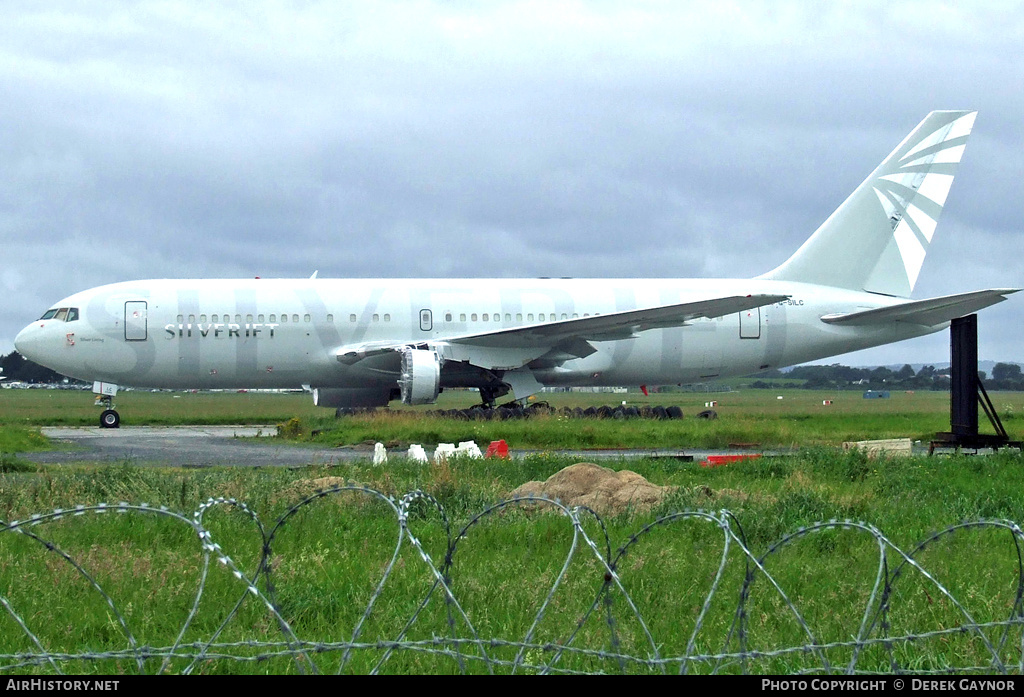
512	570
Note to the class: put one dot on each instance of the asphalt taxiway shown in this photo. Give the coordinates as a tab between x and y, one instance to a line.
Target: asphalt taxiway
180	446
247	446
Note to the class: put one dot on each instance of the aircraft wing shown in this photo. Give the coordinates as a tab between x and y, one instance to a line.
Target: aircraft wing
928	312
616	325
511	348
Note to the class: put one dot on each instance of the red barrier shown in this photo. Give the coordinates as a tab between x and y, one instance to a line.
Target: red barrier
719	460
497	448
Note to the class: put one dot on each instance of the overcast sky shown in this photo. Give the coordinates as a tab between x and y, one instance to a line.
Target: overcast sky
363	139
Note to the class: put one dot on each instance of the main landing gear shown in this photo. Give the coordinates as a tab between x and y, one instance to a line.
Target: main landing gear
105	393
489	395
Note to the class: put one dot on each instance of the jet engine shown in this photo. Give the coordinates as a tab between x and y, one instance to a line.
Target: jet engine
421	376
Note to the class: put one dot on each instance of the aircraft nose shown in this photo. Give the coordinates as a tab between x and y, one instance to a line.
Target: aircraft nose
27	342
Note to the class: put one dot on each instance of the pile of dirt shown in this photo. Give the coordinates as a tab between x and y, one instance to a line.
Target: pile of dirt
302	488
604	490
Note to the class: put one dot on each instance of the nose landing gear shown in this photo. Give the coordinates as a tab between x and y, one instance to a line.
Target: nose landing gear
110	418
105	393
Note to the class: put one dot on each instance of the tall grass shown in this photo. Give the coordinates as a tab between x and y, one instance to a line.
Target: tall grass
328	558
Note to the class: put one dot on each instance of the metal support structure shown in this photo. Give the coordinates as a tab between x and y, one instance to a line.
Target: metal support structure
963	402
966	393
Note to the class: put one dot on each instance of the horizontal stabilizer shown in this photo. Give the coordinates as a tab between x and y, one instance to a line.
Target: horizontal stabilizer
928	313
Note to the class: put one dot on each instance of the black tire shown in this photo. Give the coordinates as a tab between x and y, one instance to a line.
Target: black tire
110	419
709	414
674	412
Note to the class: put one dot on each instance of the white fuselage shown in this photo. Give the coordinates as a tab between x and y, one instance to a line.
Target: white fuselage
266	333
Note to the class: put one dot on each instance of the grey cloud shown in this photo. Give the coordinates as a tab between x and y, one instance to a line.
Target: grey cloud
506	139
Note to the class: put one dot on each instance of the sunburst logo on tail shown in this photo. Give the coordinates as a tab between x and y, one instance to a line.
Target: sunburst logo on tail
914	190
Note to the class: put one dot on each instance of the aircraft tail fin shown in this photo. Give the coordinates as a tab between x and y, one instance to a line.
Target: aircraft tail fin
877	239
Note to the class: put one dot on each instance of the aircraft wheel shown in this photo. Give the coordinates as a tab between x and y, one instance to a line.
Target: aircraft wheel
110	419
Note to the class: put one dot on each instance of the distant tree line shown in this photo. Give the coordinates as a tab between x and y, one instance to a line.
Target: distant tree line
1005	376
17	368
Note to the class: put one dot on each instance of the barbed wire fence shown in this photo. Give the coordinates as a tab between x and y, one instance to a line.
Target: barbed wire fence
997	645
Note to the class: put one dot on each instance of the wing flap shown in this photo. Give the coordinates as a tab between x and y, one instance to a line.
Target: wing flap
929	313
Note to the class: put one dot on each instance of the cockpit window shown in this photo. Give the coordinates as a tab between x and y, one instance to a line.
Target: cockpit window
62	314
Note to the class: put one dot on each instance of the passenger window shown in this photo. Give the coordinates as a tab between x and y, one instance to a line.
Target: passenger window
273	319
473	317
295	319
376	317
387	318
202	318
541	317
330	318
260	319
284	319
529	317
306	318
508	317
213	318
462	317
487	317
351	318
191	319
519	317
447	317
248	318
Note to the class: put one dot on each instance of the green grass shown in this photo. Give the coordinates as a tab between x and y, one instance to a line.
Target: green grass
753	417
75	408
329	557
748	417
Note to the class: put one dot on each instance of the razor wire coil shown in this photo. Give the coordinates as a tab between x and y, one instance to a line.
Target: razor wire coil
998	643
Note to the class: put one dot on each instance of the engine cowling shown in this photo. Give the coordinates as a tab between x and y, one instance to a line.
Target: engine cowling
350	397
421	376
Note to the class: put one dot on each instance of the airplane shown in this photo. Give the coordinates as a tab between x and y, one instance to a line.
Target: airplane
365	342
